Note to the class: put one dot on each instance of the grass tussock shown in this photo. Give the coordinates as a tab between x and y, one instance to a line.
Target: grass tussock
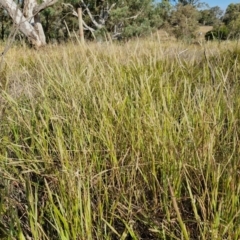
135	141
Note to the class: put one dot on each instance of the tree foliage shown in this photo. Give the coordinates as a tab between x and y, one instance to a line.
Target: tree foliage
211	16
184	21
231	20
232	13
195	3
121	19
230	26
5	24
115	18
118	19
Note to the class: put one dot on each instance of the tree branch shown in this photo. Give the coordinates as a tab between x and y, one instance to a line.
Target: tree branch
45	4
74	13
135	16
23	25
97	25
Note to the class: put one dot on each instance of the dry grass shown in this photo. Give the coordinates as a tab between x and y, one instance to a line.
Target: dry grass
133	141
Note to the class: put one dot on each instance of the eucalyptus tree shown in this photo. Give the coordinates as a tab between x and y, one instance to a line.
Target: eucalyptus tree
232	13
25	15
231	19
211	16
113	19
117	18
230	25
184	21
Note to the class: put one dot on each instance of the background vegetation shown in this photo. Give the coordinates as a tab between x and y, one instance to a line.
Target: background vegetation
123	20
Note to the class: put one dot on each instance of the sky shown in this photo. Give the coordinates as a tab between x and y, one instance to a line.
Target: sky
221	3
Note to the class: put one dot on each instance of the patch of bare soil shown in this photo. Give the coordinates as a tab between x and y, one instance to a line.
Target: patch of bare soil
200	34
205	29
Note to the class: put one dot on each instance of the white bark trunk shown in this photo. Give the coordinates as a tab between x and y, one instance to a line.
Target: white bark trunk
22	23
28	20
28	9
39	29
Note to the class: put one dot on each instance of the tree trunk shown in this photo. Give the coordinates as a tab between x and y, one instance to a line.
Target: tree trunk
28	20
2	30
80	23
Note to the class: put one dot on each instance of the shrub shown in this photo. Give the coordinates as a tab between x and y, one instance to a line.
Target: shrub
220	33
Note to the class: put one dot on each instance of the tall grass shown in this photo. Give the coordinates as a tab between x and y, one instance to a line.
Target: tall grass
134	141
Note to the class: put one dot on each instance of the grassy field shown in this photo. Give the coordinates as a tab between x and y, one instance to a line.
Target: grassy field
134	141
